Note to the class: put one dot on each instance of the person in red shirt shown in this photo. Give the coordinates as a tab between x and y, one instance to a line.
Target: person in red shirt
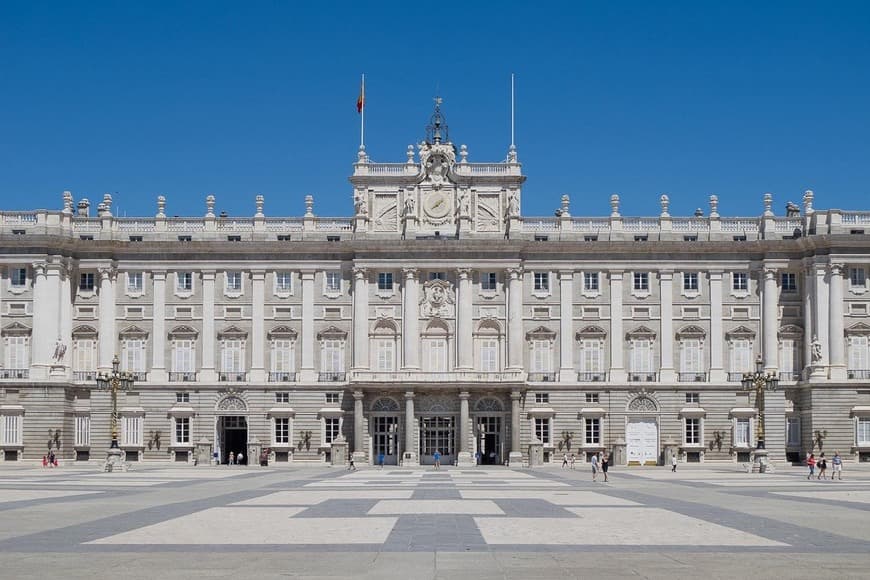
811	463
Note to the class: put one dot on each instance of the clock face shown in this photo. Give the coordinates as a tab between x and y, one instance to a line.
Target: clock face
437	205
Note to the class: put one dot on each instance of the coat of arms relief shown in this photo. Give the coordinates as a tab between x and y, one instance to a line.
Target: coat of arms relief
438	299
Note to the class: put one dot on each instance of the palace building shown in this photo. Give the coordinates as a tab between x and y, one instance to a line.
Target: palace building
436	318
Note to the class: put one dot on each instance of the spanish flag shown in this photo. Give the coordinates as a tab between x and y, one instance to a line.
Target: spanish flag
361	99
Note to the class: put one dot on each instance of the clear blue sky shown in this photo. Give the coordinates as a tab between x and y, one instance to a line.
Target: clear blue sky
238	98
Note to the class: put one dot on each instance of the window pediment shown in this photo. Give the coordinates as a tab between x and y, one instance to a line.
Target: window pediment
232	332
591	332
385	327
791	331
284	332
691	331
183	332
133	332
541	333
739	333
641	332
489	326
16	329
437	327
332	333
84	331
859	328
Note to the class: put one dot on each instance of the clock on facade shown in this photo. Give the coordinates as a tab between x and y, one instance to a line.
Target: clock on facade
437	205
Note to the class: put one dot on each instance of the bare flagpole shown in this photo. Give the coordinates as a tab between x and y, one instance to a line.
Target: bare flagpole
513	143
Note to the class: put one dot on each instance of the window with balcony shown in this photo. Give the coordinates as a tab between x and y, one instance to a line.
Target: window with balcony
640	360
385	354
859	356
542	356
17	356
789	359
489	355
232	360
133	356
332	356
691	359
84	358
488	281
282	360
437	354
591	360
740	359
183	360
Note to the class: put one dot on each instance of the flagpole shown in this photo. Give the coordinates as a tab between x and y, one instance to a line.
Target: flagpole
362	116
513	144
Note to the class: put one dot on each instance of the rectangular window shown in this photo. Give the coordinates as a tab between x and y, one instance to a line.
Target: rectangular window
789	358
859	353
182	397
83	431
282	356
19	277
234	281
385	281
232	356
488	281
693	430
12	429
331	360
131	431
542	281
283	282
641	281
541	356
332	398
590	281
331	427
182	356
542	398
592	397
641	356
741	432
86	281
489	355
741	356
332	282
793	431
386	353
789	282
690	355
857	277
690	281
863	435
135	282
283	397
182	430
282	430
591	356
592	430
17	353
133	355
84	355
542	429
437	276
740	281
438	355
184	281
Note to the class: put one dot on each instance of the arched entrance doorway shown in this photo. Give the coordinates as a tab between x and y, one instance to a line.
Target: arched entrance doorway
489	431
384	425
642	431
231	428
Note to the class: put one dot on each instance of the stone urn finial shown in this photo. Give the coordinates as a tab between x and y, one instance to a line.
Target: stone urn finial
309	206
209	206
666	204
714	206
258	202
161	206
614	206
808	202
768	205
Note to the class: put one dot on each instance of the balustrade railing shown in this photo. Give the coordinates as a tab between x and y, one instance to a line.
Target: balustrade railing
858	373
735	377
232	377
332	377
282	377
634	377
591	377
84	376
14	373
692	377
181	377
542	377
856	217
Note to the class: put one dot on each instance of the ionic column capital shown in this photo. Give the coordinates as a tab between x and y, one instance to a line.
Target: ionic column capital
515	273
837	269
464	273
769	273
359	272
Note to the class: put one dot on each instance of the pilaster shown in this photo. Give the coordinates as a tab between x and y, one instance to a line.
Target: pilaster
360	319
516	455
717	369
821	316
258	313
464	457
359	447
208	332
158	350
566	326
836	325
617	366
464	347
107	338
515	319
666	287
410	320
410	457
308	373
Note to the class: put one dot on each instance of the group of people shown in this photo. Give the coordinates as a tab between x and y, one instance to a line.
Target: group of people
822	464
236	458
49	460
600	462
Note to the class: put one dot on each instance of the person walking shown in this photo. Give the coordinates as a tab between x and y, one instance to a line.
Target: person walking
381	460
837	462
811	463
594	463
437	457
232	460
240	458
605	463
674	463
564	460
823	467
572	461
350	465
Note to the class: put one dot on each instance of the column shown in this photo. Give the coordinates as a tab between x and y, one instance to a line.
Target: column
307	373
836	331
66	314
464	319
158	345
360	319
717	335
617	367
821	315
515	319
108	275
208	333
769	320
566	326
410	321
46	288
809	331
666	287
358	431
410	457
258	331
516	455
465	457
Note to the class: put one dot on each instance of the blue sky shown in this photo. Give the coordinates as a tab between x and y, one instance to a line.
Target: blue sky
239	98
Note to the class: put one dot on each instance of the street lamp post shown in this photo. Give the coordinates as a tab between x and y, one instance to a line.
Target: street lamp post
117	381
759	381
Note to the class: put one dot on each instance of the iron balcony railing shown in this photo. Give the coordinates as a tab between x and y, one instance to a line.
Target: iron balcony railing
14	373
282	377
692	377
858	373
233	377
735	377
642	377
332	377
84	376
182	376
542	377
587	377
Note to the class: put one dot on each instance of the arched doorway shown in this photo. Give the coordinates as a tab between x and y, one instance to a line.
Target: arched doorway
642	431
231	428
384	425
489	431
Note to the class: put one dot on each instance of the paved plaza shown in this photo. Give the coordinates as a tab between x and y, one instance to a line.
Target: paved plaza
318	522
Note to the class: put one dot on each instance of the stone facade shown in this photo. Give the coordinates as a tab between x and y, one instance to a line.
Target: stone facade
436	318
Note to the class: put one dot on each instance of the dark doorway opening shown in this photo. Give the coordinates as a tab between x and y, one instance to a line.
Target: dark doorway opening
234	438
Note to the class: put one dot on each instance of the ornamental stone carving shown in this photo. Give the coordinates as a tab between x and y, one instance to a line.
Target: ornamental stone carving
232	403
489	405
438	299
385	404
642	404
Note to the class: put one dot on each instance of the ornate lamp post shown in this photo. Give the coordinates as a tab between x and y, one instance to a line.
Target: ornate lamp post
759	381
114	382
